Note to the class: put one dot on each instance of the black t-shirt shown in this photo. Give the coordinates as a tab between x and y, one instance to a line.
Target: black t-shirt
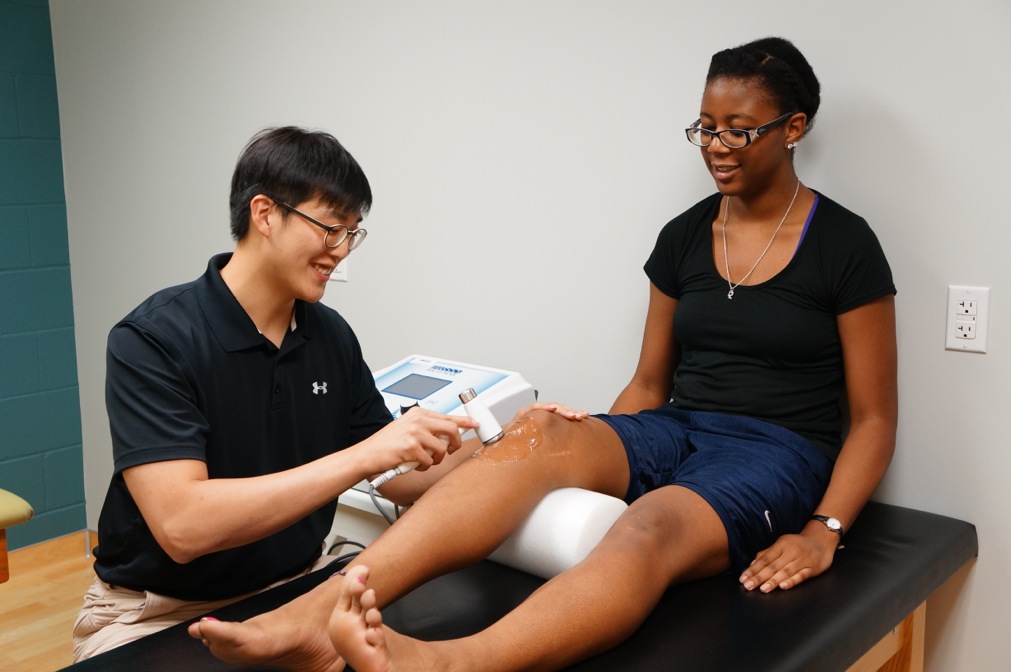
773	351
190	377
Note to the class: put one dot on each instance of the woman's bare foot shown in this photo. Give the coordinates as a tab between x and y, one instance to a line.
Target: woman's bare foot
357	632
356	626
293	636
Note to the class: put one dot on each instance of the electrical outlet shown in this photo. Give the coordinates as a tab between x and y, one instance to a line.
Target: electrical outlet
965	329
968	309
340	274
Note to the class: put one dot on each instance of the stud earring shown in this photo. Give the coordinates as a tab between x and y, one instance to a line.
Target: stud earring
791	145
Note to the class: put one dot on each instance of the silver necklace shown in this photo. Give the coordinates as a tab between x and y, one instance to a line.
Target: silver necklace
726	260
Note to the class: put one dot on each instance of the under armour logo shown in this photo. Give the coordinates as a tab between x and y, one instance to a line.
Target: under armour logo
317	388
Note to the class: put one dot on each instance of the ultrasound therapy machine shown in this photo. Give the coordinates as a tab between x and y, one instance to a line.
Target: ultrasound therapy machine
560	531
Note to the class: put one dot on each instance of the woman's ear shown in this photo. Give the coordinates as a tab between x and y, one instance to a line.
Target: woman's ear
796	126
259	214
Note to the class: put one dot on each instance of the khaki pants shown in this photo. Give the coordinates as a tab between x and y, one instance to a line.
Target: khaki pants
113	616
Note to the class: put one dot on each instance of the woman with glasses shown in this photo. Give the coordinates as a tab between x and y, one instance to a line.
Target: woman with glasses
770	305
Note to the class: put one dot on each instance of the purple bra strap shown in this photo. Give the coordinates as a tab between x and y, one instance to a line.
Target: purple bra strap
810	216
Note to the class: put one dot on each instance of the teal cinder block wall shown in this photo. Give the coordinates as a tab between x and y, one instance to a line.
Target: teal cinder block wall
40	418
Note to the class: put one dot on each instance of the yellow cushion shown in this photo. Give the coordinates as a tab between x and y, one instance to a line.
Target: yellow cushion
13	510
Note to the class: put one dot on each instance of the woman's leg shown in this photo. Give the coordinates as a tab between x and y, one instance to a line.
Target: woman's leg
667	536
460	520
473	509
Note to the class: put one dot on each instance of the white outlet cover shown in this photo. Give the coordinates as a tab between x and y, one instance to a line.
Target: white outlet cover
957	293
340	274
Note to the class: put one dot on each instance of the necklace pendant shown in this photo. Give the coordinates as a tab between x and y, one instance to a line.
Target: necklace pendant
730	295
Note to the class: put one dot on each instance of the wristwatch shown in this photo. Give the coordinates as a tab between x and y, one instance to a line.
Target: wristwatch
831	523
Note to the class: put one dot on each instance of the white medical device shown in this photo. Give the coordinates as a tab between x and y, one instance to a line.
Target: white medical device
434	384
560	531
489	430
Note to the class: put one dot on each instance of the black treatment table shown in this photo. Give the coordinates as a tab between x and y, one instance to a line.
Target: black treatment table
866	613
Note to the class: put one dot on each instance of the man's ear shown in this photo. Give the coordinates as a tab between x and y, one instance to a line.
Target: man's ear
259	210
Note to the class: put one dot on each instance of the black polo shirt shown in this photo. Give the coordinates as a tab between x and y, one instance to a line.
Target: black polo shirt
190	377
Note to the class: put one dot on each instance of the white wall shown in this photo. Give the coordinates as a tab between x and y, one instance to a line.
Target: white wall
527	153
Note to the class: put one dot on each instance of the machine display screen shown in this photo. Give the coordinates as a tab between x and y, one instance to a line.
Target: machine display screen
416	386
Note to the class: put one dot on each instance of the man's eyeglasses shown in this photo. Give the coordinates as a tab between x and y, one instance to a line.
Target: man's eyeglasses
335	235
732	138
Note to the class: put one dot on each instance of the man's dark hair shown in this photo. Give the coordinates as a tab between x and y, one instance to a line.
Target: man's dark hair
294	165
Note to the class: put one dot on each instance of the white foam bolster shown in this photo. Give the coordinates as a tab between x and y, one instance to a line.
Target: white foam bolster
560	532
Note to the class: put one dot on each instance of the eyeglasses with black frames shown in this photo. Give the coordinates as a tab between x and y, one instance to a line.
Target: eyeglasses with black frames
335	235
732	138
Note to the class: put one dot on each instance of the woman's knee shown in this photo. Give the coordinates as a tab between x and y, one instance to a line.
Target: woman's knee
537	433
647	529
677	530
586	453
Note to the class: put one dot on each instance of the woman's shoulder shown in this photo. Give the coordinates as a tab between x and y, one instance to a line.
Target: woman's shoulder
829	209
835	224
702	209
701	213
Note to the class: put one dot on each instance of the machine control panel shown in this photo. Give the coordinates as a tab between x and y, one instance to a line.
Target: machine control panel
436	384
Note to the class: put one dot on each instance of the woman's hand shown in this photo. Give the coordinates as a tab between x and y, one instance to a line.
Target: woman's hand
792	559
554	407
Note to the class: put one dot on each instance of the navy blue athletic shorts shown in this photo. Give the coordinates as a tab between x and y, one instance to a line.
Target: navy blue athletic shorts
762	479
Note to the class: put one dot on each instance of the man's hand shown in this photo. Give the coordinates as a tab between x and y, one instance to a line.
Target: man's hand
418	436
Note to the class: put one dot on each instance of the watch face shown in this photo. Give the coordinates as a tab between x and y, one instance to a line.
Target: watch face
830	523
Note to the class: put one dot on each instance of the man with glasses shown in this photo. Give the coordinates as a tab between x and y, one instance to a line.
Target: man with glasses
240	407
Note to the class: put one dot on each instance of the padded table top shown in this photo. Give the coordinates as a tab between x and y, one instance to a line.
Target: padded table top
13	510
893	560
